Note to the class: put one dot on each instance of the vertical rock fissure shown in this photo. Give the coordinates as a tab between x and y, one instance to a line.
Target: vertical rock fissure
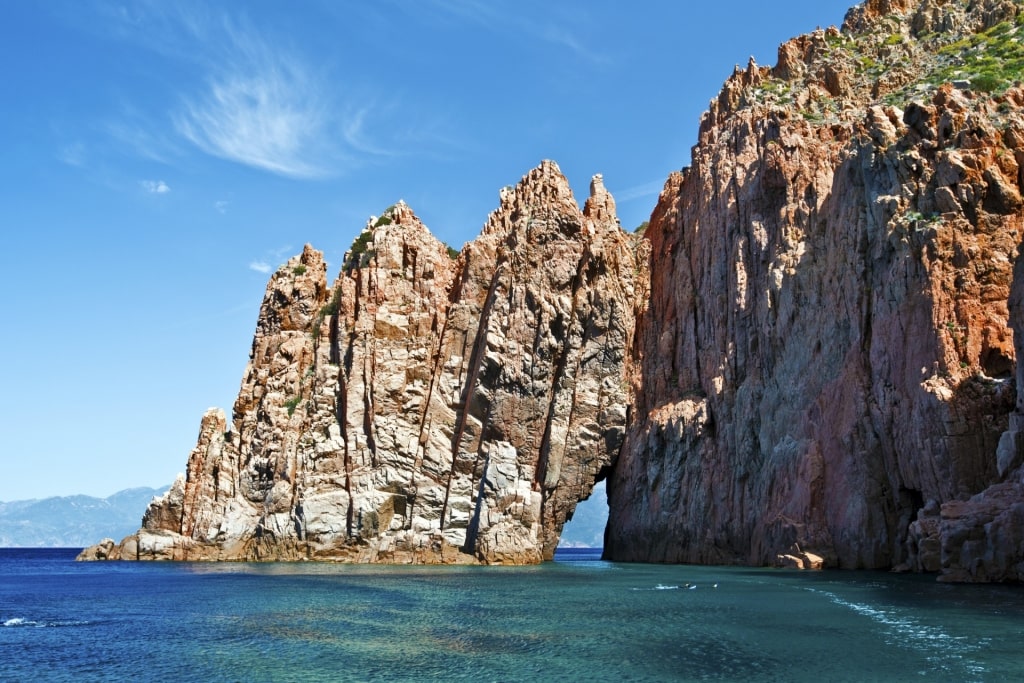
557	378
333	324
475	360
341	416
437	370
547	509
473	530
368	425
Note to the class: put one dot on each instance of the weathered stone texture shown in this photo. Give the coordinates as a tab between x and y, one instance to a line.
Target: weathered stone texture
826	350
425	408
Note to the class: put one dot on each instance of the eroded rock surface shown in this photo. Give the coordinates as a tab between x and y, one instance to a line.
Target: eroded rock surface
826	350
429	406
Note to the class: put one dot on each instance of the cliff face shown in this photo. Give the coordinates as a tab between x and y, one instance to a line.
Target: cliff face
808	361
826	355
428	407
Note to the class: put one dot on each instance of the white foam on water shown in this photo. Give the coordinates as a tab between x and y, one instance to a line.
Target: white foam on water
941	649
29	623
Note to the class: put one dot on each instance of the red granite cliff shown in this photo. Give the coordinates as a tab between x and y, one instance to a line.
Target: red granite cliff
826	356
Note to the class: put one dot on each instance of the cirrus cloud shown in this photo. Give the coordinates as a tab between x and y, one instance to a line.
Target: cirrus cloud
261	267
267	116
250	96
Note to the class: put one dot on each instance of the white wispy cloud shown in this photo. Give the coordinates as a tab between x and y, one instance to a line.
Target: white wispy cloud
262	112
357	137
221	206
562	36
252	97
271	256
155	186
649	189
257	103
261	267
281	254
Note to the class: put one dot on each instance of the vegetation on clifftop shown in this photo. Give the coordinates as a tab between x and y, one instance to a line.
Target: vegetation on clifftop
891	60
991	61
360	253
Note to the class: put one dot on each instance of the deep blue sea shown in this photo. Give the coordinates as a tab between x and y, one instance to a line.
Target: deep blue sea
575	619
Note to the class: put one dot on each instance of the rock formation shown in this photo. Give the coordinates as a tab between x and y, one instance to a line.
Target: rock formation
429	406
808	361
824	363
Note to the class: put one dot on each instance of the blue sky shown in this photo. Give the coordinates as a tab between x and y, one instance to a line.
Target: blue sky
161	158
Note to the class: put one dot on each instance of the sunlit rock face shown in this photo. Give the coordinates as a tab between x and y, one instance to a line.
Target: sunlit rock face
825	360
430	406
809	360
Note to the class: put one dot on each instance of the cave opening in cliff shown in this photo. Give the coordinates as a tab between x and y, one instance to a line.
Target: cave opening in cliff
996	364
589	519
911	502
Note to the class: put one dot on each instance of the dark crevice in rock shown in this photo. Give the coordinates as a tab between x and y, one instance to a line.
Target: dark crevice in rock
470	384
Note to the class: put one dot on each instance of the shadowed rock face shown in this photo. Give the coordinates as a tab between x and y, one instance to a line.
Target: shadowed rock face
427	407
826	352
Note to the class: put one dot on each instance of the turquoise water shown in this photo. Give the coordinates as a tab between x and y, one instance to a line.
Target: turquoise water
574	619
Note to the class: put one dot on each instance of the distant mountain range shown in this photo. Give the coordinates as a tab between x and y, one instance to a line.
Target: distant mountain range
79	521
73	521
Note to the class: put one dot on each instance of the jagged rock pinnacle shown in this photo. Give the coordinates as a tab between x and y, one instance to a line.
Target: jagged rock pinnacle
600	206
430	407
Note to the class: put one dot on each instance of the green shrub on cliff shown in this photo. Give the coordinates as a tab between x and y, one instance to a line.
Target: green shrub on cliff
331	307
359	249
991	61
385	218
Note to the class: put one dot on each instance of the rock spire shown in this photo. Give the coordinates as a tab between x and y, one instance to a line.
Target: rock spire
427	407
